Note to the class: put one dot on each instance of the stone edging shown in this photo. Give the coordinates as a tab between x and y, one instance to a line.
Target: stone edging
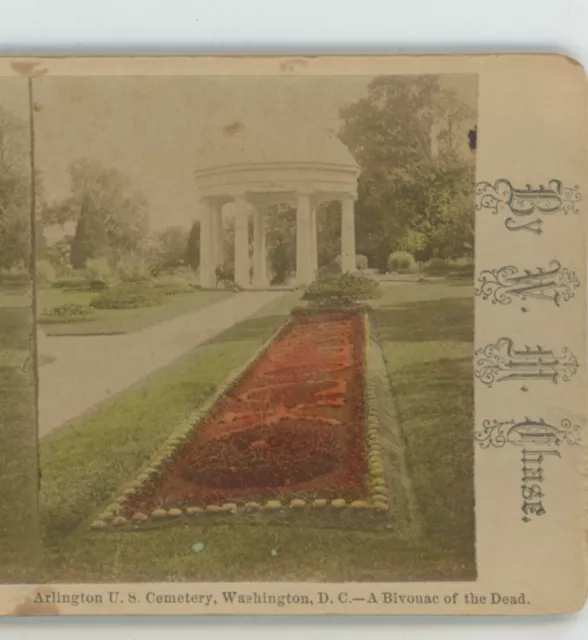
376	477
112	517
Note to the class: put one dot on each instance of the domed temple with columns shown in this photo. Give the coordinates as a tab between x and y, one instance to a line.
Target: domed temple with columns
247	171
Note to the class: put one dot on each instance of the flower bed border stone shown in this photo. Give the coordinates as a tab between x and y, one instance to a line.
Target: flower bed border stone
373	510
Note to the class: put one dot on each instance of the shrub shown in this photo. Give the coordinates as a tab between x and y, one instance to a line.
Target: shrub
129	295
45	272
436	266
332	270
334	305
98	269
455	268
67	313
465	270
185	272
402	262
342	290
132	268
173	285
97	285
361	262
79	283
16	278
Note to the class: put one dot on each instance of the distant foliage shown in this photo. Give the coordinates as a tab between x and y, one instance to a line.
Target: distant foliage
76	283
90	239
129	295
410	199
97	285
132	268
67	313
186	273
457	268
168	250
332	270
98	269
192	253
281	242
173	285
344	288
402	262
17	277
111	219
15	233
45	272
361	262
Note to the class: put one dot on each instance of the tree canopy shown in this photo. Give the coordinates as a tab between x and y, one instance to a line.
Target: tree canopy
15	191
410	198
111	219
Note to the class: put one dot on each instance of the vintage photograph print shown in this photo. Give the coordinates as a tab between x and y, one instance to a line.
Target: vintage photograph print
254	299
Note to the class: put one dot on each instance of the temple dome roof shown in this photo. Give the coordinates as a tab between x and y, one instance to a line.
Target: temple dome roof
242	144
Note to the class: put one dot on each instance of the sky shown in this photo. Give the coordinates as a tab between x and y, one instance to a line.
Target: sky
156	129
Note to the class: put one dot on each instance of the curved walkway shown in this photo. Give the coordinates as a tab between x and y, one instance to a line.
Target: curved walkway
88	370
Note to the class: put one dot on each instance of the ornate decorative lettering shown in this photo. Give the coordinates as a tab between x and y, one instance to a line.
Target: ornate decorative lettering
495	433
554	284
518	204
501	362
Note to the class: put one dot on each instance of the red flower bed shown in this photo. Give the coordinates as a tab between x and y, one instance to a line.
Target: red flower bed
292	426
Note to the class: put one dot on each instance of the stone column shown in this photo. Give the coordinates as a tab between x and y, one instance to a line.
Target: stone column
207	277
218	236
347	234
313	241
303	239
241	241
259	251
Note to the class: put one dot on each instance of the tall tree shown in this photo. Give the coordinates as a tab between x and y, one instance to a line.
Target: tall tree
169	248
329	233
112	220
14	191
281	241
192	253
408	196
90	239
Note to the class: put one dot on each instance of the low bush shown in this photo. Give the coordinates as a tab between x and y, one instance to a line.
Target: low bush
173	285
77	283
185	272
131	268
98	269
16	278
402	262
361	262
97	285
332	270
344	289
67	313
129	295
334	305
45	272
452	268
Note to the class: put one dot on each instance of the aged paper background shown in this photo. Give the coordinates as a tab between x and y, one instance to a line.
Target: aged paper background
531	128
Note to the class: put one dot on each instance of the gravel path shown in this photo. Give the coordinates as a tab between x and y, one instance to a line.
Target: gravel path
88	370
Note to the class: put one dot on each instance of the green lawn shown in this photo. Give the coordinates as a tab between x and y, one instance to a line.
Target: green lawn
426	331
111	321
18	452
